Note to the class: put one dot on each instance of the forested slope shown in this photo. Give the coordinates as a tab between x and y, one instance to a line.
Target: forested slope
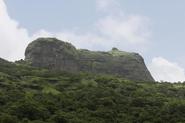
33	95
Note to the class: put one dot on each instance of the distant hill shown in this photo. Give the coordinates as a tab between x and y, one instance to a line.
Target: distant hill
57	55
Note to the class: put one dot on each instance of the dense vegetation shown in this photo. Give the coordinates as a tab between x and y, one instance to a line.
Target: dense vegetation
32	95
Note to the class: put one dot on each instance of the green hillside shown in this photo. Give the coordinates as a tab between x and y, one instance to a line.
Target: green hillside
33	95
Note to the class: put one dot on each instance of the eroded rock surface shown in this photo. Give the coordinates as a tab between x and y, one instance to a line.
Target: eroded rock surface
54	54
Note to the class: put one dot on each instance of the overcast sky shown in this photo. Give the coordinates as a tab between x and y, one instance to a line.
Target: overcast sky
155	29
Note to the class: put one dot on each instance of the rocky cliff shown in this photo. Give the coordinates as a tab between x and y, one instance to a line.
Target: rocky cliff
54	54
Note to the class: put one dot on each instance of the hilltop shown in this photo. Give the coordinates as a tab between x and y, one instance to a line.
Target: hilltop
58	55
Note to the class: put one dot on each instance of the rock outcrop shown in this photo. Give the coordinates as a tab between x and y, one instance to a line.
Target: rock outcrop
54	54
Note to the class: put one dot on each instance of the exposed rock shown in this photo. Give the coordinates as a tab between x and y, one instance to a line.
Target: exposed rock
54	54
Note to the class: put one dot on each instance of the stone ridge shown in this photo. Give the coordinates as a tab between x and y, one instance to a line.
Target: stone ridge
58	55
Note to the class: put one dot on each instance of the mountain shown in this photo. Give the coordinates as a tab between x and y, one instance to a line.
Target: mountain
58	55
33	94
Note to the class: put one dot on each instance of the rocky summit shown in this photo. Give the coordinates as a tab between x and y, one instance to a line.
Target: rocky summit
55	54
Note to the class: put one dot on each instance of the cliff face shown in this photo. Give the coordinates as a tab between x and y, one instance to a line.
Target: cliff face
54	54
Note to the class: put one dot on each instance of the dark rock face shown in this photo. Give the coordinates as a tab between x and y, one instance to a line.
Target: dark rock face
54	54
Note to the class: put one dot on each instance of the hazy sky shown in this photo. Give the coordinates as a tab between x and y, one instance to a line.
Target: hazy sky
155	29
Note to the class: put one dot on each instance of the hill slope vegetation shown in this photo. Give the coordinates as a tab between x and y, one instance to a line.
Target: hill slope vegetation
35	95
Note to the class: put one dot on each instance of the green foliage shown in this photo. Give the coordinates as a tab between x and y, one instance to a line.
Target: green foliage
6	118
32	95
116	52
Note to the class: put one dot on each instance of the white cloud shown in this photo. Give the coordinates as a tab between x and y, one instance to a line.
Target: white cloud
116	25
13	39
133	29
164	70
